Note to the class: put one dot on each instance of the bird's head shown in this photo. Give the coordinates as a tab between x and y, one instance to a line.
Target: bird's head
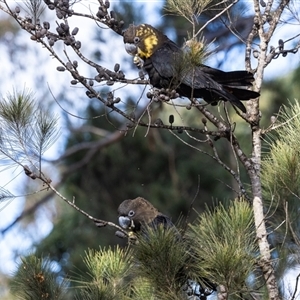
135	212
142	40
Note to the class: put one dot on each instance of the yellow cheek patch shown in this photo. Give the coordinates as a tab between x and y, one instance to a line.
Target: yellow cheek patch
147	50
148	42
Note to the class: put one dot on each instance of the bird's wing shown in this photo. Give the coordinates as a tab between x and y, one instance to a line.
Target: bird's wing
162	67
167	68
197	79
161	219
167	64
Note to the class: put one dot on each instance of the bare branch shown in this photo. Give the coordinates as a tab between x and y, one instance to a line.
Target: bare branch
98	222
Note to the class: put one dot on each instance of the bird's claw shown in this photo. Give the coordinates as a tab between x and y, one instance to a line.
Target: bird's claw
132	238
138	61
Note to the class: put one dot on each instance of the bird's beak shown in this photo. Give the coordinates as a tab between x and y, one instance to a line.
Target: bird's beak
124	222
131	49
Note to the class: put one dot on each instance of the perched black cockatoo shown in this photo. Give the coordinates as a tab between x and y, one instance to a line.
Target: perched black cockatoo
139	214
168	67
134	213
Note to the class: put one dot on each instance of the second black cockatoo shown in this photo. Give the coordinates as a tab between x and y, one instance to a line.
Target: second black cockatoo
138	215
168	67
134	213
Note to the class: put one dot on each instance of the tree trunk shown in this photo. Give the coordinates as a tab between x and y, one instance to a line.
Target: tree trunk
259	219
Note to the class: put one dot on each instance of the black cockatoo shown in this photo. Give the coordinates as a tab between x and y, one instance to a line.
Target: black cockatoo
137	215
134	213
168	68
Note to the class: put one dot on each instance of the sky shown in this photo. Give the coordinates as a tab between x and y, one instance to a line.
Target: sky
19	240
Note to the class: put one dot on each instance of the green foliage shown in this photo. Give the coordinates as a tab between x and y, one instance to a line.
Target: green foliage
35	280
109	270
154	269
187	9
163	259
16	110
142	289
281	174
223	242
26	130
196	52
219	248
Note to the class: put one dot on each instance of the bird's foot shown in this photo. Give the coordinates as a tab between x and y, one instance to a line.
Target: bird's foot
138	61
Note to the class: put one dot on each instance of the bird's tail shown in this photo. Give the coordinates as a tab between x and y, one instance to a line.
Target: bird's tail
235	95
242	94
234	78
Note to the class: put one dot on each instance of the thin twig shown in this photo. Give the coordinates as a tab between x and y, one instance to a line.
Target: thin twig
99	222
215	17
191	206
296	287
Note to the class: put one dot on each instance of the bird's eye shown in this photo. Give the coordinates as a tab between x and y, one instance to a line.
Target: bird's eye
136	39
131	213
